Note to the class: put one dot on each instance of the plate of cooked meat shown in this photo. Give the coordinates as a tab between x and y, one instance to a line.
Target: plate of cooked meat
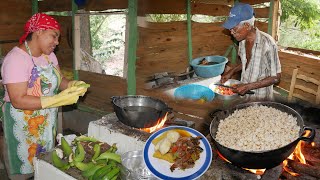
177	152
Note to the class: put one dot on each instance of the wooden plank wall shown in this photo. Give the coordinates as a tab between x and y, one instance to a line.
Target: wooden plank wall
102	88
13	16
64	52
92	5
307	66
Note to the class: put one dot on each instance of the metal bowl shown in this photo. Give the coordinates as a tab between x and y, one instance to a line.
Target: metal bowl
230	82
134	163
139	111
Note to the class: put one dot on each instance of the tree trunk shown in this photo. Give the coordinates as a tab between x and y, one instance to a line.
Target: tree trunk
85	41
88	63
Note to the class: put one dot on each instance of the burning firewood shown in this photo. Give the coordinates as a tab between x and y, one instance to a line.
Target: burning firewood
311	153
305	168
314	162
312	158
288	176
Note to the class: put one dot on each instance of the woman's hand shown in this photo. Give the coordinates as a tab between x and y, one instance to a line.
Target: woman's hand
75	83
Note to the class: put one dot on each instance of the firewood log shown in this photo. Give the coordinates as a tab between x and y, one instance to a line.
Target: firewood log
304	168
308	147
306	177
311	154
288	176
314	162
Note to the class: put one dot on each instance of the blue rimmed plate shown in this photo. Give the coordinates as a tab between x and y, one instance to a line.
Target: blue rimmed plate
161	168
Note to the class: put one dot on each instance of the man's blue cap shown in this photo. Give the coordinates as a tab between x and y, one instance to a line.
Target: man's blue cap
239	12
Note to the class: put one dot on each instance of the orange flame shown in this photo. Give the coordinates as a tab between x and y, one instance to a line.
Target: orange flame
254	171
296	155
159	124
223	158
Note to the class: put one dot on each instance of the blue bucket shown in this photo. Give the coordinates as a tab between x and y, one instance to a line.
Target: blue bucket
194	92
207	71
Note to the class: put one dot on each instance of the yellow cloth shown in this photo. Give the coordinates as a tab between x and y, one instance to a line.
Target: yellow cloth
65	97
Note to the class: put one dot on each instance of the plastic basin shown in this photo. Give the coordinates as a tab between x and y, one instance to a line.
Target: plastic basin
207	71
194	92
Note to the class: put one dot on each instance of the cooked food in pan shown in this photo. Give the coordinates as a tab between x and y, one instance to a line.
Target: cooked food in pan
257	128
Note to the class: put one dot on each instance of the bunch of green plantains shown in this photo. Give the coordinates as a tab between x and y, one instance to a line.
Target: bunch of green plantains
96	160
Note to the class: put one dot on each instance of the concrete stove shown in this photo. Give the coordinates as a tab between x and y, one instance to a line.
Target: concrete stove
109	129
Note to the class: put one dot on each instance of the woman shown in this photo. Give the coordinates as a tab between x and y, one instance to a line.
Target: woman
32	78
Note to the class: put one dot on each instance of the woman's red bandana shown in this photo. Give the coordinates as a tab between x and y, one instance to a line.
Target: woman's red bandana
38	22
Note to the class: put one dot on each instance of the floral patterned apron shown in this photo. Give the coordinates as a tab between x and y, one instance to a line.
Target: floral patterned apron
28	133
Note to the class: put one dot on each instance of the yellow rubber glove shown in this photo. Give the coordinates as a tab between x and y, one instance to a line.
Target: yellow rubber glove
82	90
75	83
80	84
65	97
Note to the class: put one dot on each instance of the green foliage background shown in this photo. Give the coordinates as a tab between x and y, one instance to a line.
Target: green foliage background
105	41
300	24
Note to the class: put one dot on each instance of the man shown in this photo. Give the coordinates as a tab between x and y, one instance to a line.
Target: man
258	52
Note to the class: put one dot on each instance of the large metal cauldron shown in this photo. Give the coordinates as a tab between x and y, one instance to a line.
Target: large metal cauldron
261	159
139	111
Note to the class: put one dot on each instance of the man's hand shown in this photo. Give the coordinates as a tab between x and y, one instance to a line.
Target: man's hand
242	89
225	77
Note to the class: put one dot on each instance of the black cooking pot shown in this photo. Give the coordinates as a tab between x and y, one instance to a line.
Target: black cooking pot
139	111
258	159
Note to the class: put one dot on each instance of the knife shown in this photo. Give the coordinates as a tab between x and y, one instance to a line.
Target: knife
221	85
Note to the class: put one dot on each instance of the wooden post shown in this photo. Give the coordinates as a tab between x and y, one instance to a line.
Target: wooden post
270	20
60	121
293	83
132	47
189	29
76	54
234	54
276	19
76	44
318	95
35	7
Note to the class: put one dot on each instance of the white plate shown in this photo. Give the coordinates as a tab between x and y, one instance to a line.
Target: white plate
161	168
